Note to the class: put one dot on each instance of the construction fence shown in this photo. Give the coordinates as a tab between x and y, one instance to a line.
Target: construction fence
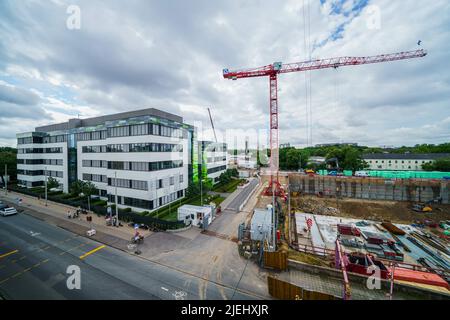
280	289
416	190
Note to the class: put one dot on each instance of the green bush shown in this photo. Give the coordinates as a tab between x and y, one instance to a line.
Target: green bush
101	203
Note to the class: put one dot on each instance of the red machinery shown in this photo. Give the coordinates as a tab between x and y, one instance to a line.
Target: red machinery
272	70
348	229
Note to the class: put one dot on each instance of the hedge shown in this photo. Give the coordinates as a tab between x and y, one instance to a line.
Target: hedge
125	215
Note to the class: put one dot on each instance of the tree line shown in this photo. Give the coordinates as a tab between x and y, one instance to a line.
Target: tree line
350	157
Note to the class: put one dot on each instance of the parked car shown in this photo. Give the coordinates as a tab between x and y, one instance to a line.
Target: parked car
332	173
7	211
361	174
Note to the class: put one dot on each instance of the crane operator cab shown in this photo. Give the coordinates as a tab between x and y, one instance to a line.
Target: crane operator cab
277	66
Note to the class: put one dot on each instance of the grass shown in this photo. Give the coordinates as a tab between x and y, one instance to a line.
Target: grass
229	187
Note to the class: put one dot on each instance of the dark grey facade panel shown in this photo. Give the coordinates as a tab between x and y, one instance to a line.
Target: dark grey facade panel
89	122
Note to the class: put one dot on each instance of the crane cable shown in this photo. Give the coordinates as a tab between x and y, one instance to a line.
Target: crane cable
305	48
309	73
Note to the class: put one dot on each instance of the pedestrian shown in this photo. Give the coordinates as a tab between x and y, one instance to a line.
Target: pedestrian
69	215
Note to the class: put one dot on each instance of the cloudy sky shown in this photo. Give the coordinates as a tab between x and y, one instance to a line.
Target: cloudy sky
170	54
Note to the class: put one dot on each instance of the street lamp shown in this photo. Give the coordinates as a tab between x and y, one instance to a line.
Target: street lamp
6	179
45	175
117	208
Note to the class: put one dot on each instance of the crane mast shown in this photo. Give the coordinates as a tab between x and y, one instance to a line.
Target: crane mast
272	71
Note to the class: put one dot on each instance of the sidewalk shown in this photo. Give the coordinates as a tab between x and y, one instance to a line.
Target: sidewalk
59	211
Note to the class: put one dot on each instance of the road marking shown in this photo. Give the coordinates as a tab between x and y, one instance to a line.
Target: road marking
165	289
24	271
4	280
47	247
23	257
73	248
92	251
8	253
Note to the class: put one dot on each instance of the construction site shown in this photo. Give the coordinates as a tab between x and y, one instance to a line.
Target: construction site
346	230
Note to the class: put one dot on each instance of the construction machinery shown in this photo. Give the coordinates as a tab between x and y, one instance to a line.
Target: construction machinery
212	125
273	70
421	207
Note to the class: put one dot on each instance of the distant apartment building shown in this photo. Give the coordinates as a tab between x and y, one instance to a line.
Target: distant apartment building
146	155
401	161
214	158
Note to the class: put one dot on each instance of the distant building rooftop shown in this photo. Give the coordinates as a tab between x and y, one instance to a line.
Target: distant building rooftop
406	156
354	144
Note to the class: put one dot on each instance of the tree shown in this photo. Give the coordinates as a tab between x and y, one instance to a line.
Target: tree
437	165
8	156
88	189
76	187
193	190
52	183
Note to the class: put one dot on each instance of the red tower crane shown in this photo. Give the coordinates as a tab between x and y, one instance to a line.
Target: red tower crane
272	71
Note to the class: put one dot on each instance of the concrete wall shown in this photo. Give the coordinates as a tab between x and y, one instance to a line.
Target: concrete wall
417	190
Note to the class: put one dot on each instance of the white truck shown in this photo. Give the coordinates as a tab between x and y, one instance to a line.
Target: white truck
361	174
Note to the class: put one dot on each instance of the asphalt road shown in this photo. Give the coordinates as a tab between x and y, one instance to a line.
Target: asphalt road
242	195
34	257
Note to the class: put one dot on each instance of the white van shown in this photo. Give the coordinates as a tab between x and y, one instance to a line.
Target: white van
361	174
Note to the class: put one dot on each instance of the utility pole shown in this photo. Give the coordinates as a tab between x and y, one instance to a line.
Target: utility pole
391	291
117	208
6	179
289	213
45	173
274	223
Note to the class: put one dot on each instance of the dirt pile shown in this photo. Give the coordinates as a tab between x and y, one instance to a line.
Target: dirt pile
315	206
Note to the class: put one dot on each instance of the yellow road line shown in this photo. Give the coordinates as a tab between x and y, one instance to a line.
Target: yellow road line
44	261
4	280
8	253
92	251
17	274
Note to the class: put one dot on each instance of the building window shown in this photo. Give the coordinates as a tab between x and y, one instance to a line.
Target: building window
160	184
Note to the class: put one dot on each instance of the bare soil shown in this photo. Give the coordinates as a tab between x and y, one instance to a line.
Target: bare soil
395	211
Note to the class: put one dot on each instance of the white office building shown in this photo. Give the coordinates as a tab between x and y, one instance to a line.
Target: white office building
143	156
215	156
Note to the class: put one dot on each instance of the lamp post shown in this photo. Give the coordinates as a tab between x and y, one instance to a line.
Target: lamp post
117	208
6	179
45	173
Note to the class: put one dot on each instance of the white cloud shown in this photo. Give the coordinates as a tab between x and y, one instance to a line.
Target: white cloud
170	55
